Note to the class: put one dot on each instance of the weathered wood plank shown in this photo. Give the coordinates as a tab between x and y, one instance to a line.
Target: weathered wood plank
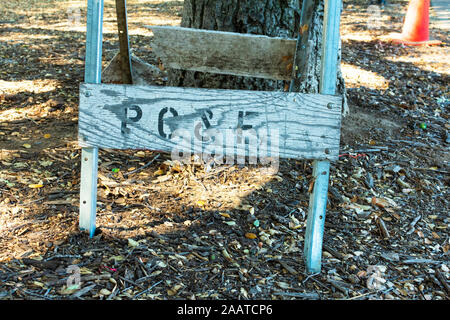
302	126
224	52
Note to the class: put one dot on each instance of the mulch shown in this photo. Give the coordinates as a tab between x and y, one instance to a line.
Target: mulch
208	231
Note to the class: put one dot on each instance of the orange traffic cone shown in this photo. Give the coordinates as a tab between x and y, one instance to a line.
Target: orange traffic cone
415	30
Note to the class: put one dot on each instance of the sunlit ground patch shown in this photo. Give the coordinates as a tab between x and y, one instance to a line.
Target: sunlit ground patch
32	86
428	59
356	77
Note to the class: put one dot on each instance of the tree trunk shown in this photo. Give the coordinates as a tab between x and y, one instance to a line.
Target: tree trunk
274	18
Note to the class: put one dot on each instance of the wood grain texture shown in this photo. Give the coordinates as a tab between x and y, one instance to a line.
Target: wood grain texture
224	52
144	117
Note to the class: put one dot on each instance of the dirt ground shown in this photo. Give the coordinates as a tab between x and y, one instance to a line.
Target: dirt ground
222	232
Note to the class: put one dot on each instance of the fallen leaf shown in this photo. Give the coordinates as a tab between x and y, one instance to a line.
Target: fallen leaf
245	207
250	235
117	258
162	179
35	186
105	292
69	290
45	163
39	284
283	285
173	291
201	203
84	270
383	202
361	274
132	243
357	207
226	254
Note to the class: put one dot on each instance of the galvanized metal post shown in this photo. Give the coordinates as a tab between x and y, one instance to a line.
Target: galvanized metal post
89	156
321	172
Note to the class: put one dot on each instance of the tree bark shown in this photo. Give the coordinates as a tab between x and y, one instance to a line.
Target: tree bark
274	18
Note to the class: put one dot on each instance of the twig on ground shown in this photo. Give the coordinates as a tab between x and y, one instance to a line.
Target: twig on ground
413	224
150	288
143	167
414	261
442	279
383	228
83	291
338	286
131	282
307	295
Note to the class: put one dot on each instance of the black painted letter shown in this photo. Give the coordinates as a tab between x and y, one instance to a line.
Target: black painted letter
125	120
161	121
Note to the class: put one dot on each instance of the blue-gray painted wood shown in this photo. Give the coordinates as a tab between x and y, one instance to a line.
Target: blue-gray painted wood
318	199
299	125
89	156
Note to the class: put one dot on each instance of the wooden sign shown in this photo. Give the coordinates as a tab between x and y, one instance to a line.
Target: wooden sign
224	52
228	122
225	122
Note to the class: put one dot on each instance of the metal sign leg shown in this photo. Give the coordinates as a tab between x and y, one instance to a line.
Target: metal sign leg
321	172
316	216
88	189
89	156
